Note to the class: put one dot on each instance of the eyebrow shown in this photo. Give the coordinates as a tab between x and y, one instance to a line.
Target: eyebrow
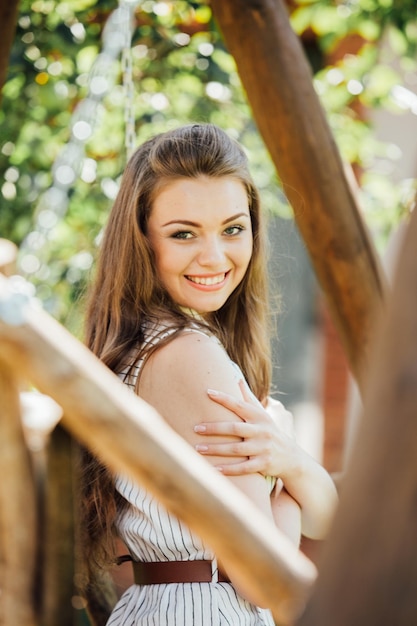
196	224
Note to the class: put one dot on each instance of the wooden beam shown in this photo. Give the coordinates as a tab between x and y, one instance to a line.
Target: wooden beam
8	19
369	565
58	534
18	519
278	82
130	437
18	507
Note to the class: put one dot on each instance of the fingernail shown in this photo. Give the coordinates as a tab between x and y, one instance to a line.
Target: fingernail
200	428
212	392
201	448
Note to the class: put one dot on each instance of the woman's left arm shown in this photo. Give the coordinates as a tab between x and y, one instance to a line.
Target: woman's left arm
270	449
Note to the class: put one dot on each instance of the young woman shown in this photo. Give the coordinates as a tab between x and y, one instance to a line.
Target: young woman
179	311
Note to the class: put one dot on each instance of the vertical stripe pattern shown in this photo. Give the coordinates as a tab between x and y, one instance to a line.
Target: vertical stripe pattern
152	533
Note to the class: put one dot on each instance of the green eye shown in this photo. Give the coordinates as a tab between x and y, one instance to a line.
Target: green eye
233	230
182	234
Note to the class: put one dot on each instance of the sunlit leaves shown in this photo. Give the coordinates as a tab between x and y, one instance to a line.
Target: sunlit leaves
369	62
386	203
86	57
13	88
182	72
332	21
379	82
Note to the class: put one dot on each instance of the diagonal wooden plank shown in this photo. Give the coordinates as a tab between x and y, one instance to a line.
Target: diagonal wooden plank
369	567
132	438
278	83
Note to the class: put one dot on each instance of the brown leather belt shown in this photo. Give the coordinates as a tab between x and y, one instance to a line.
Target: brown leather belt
166	572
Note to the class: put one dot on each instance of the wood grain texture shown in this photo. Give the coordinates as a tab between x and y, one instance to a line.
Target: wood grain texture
8	19
279	87
132	438
18	526
368	570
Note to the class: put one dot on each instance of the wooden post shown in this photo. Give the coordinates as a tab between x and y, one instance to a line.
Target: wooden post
130	437
17	511
8	19
58	531
287	111
18	519
369	565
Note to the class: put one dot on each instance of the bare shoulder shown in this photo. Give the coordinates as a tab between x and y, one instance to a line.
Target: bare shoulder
193	361
176	377
175	380
192	351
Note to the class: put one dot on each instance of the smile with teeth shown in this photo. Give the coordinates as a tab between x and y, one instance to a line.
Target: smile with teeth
207	280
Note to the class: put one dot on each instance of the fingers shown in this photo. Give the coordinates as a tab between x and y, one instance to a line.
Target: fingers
228	401
246	410
247	394
233	449
250	466
265	445
236	429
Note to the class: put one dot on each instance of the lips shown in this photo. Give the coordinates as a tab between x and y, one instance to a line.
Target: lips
207	280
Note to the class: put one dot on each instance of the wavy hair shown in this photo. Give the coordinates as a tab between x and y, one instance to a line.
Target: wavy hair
126	290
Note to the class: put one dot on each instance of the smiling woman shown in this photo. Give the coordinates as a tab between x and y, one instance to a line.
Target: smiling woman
179	306
201	234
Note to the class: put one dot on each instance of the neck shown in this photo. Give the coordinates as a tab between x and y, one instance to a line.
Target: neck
192	313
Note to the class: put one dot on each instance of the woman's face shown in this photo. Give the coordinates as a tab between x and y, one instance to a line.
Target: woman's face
201	233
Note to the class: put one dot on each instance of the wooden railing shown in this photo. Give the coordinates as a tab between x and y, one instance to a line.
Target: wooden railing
130	437
279	86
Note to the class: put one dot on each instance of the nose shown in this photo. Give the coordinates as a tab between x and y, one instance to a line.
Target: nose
212	253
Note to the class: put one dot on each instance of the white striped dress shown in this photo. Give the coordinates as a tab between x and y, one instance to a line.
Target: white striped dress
152	533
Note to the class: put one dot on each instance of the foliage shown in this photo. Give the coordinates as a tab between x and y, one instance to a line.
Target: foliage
368	50
182	73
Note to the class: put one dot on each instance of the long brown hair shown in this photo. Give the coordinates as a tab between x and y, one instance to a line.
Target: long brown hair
126	290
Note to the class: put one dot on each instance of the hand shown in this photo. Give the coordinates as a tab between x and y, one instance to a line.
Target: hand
270	449
266	433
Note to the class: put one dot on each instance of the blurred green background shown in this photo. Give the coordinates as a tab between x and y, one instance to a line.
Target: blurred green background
362	53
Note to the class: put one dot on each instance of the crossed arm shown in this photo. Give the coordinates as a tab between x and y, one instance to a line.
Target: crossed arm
244	439
267	446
